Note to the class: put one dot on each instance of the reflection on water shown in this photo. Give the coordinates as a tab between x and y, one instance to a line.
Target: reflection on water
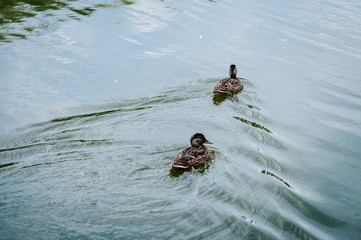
277	177
253	124
219	98
20	19
7	164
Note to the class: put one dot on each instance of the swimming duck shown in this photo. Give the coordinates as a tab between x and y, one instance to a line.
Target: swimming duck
194	156
229	85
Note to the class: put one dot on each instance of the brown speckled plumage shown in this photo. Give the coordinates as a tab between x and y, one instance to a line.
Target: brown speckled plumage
194	156
229	85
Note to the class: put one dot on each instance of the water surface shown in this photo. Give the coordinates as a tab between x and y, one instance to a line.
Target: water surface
98	97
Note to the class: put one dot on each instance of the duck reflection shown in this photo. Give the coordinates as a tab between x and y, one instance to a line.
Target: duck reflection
177	172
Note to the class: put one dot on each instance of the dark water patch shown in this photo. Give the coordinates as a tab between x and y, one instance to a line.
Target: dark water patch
277	177
4	165
115	4
12	14
253	124
20	18
126	2
18	35
85	11
177	172
252	106
15	12
219	98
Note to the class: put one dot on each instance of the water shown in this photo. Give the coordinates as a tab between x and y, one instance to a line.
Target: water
98	97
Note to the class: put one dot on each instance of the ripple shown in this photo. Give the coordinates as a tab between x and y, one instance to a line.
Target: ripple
277	177
253	124
8	164
58	143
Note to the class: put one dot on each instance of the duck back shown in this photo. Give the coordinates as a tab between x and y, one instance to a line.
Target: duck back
228	86
192	157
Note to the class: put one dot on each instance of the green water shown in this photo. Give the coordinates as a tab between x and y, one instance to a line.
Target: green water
98	98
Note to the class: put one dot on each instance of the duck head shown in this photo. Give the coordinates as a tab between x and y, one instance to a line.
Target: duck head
232	71
198	140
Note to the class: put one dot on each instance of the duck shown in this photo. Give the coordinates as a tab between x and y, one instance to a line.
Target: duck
230	85
195	156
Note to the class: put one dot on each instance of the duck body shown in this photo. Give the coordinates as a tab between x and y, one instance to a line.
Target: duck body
230	85
195	156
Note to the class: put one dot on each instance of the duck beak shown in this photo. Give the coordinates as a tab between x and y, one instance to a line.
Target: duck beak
208	142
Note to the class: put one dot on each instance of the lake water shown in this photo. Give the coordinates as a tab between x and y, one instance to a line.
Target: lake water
97	98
